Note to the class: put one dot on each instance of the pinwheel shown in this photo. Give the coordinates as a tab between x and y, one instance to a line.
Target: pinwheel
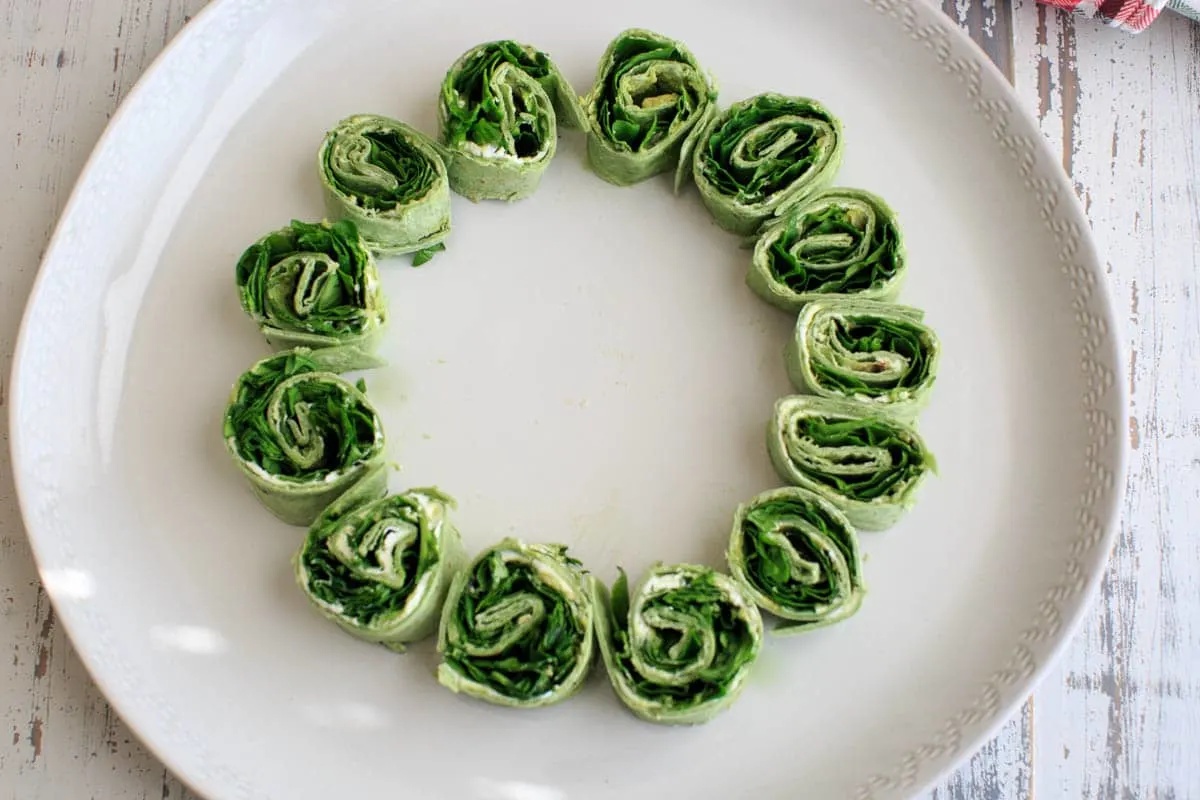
517	628
878	354
314	285
300	433
763	155
865	463
679	650
389	179
798	557
839	242
378	564
499	110
649	95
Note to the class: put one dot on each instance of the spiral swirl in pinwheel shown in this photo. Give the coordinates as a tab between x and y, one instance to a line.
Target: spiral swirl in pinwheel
679	651
879	354
798	557
389	179
649	95
300	433
866	464
763	155
498	111
517	628
839	242
313	285
378	564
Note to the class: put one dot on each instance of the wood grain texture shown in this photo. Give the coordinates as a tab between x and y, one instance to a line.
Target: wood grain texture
1119	718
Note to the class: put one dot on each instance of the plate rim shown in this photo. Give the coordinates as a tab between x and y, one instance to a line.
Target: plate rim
1063	614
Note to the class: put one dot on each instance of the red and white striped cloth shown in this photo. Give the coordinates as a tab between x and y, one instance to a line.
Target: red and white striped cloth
1130	15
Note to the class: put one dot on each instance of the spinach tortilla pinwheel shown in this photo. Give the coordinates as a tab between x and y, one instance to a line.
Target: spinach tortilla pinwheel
650	94
879	354
379	565
389	179
517	627
498	112
866	464
839	242
679	651
763	155
798	557
301	434
313	285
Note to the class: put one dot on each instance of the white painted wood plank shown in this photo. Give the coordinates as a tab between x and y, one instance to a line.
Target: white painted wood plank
64	67
1121	716
1001	770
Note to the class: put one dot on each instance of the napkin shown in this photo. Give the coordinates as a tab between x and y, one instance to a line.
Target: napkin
1133	16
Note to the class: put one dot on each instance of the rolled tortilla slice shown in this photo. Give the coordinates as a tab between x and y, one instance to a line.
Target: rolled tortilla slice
839	242
798	557
679	651
389	179
300	433
763	155
878	354
650	93
498	111
517	627
868	465
313	285
379	565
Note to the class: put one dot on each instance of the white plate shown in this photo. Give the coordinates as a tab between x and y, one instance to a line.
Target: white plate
586	366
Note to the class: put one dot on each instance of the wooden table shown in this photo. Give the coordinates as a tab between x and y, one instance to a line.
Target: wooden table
1118	718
